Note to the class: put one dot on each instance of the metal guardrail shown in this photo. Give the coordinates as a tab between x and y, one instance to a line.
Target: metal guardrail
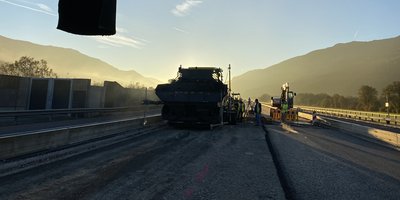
78	112
374	117
377	117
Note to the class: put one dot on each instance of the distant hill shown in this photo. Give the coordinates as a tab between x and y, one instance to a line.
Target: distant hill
70	63
340	69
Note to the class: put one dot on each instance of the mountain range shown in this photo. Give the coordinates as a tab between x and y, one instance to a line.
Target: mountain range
341	69
69	63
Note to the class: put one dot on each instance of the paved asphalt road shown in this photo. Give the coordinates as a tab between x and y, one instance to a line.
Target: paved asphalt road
320	163
230	162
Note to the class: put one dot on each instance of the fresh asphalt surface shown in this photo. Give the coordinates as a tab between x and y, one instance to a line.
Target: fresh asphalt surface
230	162
320	163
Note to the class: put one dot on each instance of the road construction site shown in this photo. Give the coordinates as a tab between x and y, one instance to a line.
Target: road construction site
243	161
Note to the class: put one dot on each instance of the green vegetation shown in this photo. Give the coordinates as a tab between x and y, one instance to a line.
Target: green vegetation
326	101
367	99
28	67
392	93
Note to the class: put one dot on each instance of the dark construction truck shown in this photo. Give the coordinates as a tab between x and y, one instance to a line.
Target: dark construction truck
196	96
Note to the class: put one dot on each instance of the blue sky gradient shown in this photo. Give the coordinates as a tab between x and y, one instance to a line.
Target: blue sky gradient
155	36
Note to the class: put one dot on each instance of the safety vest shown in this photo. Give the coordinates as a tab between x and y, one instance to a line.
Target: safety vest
243	107
285	107
257	108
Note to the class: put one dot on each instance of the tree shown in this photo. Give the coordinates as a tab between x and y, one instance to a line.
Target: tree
351	103
325	100
338	101
368	98
28	67
392	91
136	85
306	99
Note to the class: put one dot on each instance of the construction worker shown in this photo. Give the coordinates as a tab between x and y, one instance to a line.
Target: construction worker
314	118
241	110
257	112
249	107
284	111
238	109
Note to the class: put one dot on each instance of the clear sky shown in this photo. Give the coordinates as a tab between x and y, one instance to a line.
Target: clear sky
155	36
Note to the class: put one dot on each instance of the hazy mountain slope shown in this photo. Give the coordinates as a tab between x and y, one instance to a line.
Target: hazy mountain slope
340	69
69	62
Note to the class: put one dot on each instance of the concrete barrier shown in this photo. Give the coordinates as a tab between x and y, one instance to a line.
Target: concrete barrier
22	144
389	137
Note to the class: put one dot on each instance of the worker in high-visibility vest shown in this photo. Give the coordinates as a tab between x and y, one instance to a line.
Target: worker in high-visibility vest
241	110
257	112
284	111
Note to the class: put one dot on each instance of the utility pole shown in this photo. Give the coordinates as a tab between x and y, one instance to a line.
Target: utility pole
229	70
387	108
229	94
145	107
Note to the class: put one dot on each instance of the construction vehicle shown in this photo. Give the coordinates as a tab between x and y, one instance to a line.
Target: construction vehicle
287	97
197	96
232	110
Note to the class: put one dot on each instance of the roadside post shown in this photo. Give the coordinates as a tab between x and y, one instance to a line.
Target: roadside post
387	108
